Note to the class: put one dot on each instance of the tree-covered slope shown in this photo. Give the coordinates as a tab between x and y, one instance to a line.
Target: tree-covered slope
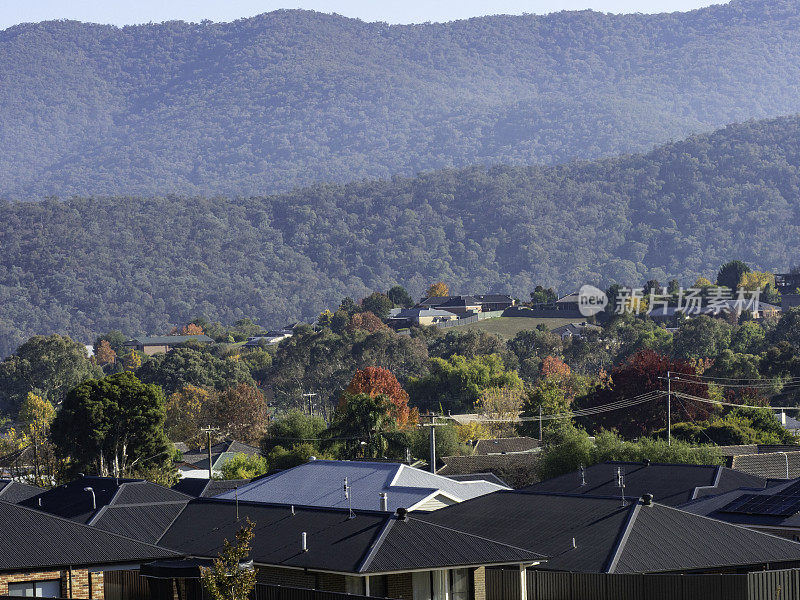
88	265
290	98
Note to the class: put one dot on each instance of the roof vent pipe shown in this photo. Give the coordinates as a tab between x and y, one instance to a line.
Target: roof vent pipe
384	502
402	514
304	542
647	499
94	500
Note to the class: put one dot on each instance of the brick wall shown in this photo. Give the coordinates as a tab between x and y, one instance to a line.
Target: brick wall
288	577
479	583
84	584
401	586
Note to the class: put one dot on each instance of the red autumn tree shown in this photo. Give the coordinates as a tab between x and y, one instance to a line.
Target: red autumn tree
646	371
555	367
366	321
377	380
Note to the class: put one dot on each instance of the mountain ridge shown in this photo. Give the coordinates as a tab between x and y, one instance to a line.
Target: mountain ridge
87	265
291	98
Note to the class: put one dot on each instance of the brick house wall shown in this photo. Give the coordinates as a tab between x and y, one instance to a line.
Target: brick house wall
83	583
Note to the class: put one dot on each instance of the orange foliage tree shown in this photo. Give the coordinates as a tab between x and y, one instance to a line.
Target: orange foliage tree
375	381
105	353
192	329
553	366
366	321
438	290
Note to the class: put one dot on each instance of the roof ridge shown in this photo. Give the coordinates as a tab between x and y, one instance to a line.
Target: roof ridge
83	525
622	540
129	504
376	545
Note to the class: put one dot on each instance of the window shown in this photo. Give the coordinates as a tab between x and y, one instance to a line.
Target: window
38	589
379	586
459	584
354	585
445	584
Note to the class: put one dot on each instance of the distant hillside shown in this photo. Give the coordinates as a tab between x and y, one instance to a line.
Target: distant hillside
88	265
291	98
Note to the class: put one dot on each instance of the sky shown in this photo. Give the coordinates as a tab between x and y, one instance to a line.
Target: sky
128	12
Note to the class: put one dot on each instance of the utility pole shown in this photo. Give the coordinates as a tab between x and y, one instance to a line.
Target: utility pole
669	408
309	395
207	430
432	438
540	424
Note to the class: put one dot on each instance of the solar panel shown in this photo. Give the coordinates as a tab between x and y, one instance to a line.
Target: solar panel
756	504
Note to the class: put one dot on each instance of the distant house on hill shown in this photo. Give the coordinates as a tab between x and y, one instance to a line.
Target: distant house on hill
151	345
422	316
574	330
471	303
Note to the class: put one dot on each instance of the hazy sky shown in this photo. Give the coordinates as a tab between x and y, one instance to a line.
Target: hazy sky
124	12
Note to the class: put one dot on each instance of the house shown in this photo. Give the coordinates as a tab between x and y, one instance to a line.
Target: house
198	487
47	556
82	499
774	510
422	316
471	303
270	338
370	486
589	534
160	344
790	424
575	330
506	445
670	484
380	554
195	461
14	491
517	468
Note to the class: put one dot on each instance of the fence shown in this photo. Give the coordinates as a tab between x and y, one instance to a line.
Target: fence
481	316
546	585
129	585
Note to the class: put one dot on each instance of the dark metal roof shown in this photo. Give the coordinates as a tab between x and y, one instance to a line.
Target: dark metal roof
369	542
31	540
15	492
670	484
143	522
72	502
505	445
609	537
198	487
167	340
199	456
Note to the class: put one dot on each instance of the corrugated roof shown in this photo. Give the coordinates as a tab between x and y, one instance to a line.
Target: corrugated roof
609	537
670	484
207	488
667	539
14	491
72	502
167	340
321	483
369	542
143	522
505	445
33	540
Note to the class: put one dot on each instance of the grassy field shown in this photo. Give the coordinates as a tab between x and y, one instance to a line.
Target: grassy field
508	327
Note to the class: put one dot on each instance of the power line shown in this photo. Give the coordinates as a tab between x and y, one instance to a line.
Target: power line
723	403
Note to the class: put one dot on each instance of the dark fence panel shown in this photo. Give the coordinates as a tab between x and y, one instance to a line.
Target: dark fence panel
265	591
551	585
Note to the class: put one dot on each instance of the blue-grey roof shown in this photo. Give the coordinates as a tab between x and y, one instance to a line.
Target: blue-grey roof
167	340
410	313
321	483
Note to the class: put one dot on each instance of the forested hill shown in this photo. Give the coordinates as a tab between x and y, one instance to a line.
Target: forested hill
290	98
88	265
